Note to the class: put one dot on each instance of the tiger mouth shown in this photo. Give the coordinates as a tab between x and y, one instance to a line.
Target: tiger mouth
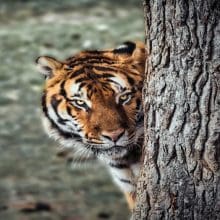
114	149
104	149
118	147
129	154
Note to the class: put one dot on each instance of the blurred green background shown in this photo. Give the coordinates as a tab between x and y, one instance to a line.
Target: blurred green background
36	181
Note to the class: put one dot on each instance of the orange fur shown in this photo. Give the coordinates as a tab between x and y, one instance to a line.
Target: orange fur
93	71
130	198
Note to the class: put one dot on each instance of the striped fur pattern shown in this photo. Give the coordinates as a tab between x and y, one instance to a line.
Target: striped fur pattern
92	103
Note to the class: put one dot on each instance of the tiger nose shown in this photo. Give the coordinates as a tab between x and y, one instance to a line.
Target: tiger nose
113	135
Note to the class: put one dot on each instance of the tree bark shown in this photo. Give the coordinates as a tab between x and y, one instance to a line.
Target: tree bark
180	177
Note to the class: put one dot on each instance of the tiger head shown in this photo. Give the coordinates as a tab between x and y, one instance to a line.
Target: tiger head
93	99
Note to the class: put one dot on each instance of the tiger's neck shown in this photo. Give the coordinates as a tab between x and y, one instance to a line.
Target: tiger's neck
123	158
125	170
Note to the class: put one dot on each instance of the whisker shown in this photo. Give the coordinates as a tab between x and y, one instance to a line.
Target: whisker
82	157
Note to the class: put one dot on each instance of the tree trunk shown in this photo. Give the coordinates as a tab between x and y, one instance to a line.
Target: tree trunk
180	177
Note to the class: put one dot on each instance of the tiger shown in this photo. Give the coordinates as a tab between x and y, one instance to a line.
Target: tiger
92	101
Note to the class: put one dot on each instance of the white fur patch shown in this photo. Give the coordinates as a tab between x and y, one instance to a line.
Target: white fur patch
125	174
74	88
120	81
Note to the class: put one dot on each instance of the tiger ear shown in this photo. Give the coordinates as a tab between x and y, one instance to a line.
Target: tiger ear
48	66
131	50
127	48
133	53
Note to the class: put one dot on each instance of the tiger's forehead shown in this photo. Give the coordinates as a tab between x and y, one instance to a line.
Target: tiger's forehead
107	86
95	75
89	73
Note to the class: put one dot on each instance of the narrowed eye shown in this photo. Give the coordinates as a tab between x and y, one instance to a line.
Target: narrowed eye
124	98
80	104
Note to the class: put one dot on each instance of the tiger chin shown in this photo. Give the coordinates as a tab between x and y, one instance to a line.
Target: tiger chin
92	102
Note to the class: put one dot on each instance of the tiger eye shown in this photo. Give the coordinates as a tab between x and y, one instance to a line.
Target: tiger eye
124	97
80	102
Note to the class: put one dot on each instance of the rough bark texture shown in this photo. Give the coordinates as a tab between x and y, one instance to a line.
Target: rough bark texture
180	177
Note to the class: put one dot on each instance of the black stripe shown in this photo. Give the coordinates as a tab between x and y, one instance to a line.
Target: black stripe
55	103
106	75
62	90
133	90
92	59
82	79
101	60
112	81
81	86
43	103
130	80
126	181
88	62
104	69
93	76
77	73
89	87
76	136
119	165
65	134
138	103
107	87
76	95
99	76
68	109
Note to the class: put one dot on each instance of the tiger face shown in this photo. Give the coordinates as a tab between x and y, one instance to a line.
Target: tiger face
93	99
